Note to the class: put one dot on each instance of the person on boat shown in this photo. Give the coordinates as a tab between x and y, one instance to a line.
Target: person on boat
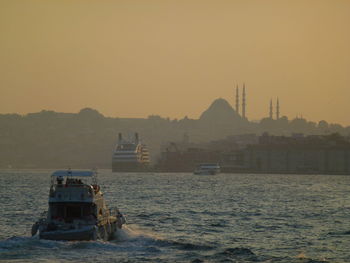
60	180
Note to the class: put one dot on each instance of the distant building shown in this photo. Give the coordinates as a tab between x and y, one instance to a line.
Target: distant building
277	110
311	154
244	104
296	154
174	159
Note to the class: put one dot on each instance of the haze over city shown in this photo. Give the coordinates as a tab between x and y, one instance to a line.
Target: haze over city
175	131
137	58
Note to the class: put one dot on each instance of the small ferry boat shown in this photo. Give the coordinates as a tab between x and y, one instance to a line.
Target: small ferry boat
207	169
77	209
130	155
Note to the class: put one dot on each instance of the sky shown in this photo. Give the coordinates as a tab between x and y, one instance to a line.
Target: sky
173	58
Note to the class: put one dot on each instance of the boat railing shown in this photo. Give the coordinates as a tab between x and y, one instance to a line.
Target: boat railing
55	187
74	178
86	191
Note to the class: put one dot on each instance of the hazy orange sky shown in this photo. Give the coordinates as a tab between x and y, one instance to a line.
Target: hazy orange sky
173	58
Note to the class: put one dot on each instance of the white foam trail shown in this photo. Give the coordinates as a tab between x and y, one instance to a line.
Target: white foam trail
134	232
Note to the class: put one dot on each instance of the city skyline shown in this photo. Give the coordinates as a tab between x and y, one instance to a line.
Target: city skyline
134	59
272	112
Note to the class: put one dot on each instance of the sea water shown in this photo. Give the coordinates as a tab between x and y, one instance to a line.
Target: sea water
178	217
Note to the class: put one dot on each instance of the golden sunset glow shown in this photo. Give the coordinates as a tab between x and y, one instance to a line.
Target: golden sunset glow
173	58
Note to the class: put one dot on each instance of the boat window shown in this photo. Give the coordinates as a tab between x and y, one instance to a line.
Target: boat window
70	212
127	147
87	210
57	211
60	211
73	211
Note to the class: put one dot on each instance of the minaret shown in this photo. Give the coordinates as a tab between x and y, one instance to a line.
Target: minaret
237	100
277	109
243	102
271	110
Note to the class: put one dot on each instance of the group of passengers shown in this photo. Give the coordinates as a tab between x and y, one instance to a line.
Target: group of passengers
69	181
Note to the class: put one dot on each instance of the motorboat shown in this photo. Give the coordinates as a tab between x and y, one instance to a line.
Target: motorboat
77	209
207	169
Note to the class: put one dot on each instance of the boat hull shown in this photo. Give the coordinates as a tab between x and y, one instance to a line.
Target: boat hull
87	233
82	234
207	169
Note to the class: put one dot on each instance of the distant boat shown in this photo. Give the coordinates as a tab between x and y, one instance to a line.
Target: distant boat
207	169
130	156
77	209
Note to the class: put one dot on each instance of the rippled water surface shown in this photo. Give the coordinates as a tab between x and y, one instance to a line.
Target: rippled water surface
191	218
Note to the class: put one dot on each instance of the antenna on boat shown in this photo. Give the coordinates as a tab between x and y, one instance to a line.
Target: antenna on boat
94	176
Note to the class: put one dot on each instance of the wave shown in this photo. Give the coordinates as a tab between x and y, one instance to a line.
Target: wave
241	251
136	234
133	242
127	233
339	233
17	242
302	258
184	245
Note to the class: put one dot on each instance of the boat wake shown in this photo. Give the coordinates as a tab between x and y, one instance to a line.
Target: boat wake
128	242
133	233
124	235
131	242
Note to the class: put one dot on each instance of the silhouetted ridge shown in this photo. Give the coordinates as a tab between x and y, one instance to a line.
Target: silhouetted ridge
220	111
89	112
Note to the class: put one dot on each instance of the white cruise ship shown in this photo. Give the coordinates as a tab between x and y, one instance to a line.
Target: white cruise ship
130	155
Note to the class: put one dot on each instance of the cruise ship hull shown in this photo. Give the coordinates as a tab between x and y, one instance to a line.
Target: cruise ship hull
130	156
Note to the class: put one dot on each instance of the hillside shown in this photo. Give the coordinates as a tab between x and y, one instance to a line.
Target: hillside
86	139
